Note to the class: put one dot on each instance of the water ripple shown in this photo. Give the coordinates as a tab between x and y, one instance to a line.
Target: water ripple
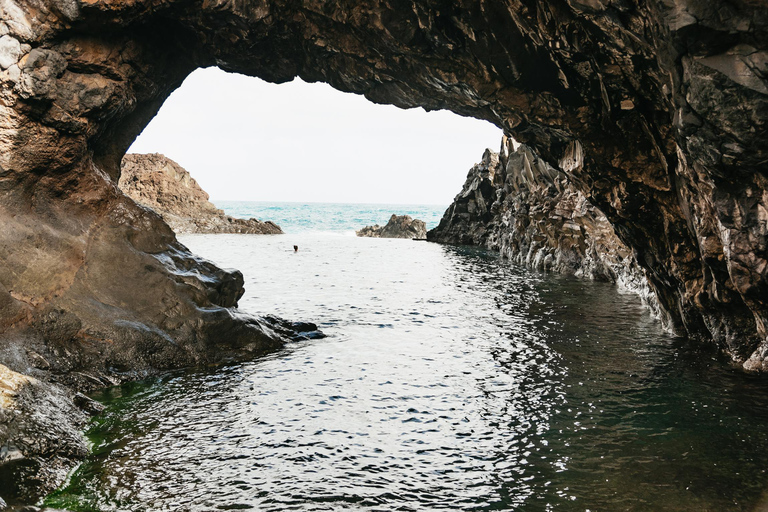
448	381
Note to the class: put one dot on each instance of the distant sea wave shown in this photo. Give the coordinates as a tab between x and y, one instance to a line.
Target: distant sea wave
335	218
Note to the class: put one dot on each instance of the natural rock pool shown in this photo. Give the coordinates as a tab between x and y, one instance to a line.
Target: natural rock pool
449	380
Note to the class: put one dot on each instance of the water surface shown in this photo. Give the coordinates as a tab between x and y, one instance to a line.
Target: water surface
338	218
448	381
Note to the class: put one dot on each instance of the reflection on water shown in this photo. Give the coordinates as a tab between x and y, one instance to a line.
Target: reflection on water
448	381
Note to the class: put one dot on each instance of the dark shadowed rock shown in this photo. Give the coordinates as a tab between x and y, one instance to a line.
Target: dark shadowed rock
655	111
159	183
40	434
398	226
516	203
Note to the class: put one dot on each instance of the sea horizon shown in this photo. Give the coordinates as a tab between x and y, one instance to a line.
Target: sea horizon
304	217
219	200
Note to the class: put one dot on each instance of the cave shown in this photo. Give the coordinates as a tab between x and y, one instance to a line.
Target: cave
656	111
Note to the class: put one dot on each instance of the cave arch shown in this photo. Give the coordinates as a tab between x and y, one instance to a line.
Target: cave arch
309	142
655	111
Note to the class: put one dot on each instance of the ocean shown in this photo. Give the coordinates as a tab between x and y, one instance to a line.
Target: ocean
449	380
339	218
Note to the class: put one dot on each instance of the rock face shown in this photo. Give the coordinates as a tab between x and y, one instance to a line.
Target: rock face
40	428
161	184
398	226
516	203
656	111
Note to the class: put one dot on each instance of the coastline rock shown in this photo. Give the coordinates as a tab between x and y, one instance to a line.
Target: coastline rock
40	430
657	112
398	226
159	183
517	204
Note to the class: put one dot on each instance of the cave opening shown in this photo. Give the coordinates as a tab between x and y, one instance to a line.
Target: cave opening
244	139
655	111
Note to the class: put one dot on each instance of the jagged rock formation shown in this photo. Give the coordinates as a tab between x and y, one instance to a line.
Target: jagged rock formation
161	184
398	226
516	203
656	111
40	428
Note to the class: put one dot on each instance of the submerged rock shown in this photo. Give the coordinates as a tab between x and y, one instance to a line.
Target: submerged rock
159	183
398	226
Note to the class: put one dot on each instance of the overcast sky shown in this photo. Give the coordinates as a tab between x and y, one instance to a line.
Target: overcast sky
245	139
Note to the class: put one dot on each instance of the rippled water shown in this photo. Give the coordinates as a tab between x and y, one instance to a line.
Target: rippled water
448	381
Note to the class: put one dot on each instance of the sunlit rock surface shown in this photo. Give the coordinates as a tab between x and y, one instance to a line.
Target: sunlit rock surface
159	183
398	226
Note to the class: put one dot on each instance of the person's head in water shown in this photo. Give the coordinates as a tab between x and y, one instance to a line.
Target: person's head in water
295	248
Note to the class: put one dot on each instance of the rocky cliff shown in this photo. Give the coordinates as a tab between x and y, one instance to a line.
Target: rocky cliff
398	226
656	111
161	184
515	203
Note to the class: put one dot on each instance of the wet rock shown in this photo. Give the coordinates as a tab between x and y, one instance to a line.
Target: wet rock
655	111
40	437
159	183
296	331
398	226
87	404
516	203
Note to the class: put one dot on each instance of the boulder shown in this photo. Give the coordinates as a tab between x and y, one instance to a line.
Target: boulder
399	226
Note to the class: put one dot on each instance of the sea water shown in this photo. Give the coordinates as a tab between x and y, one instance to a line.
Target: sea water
335	218
449	380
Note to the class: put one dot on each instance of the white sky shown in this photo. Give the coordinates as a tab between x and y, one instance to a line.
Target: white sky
245	139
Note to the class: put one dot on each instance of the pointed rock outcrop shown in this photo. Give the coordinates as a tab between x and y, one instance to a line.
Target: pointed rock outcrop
159	183
398	226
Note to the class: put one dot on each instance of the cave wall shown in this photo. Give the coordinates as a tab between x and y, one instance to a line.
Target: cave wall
515	203
655	110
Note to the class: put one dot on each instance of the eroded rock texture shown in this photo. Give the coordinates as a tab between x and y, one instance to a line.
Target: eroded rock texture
159	183
40	433
398	226
654	110
515	203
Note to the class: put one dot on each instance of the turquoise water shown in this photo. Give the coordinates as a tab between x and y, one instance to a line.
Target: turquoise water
329	217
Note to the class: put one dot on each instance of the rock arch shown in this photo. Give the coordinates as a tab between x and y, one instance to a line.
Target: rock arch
655	110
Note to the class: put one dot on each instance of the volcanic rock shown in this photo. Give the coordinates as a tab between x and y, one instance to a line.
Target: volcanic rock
656	111
515	203
40	429
159	183
398	226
